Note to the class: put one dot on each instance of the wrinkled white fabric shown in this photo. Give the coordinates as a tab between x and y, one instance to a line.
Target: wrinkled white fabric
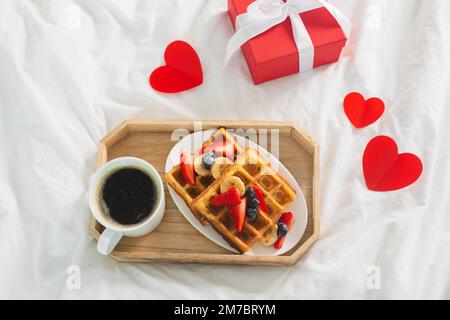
72	70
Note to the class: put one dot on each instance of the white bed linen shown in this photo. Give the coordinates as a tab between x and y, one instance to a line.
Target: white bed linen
72	70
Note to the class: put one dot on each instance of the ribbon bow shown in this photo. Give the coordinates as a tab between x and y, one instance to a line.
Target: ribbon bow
264	14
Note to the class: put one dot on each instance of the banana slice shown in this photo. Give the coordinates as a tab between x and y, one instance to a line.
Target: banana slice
220	166
252	157
233	182
270	236
248	157
199	167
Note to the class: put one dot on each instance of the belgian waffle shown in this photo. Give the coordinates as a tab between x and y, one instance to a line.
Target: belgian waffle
252	169
176	180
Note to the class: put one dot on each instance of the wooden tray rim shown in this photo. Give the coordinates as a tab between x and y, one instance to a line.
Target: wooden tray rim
286	128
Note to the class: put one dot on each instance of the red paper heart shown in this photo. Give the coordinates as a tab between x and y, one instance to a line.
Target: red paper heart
182	71
362	112
386	170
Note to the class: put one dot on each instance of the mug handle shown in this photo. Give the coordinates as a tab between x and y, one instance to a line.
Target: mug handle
107	241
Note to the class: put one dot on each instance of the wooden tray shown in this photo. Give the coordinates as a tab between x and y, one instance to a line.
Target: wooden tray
175	239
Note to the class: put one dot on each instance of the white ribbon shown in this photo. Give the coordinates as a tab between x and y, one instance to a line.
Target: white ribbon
264	14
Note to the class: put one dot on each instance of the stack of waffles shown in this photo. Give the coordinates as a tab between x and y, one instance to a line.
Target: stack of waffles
189	192
254	171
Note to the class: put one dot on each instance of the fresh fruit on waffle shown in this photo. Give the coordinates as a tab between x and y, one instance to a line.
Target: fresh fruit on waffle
196	172
284	225
263	197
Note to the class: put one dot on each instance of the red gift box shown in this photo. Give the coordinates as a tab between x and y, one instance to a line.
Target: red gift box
274	54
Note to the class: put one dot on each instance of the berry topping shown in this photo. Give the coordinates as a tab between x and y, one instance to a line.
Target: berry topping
260	196
230	198
187	167
284	225
221	149
198	167
208	160
279	243
252	213
238	214
282	230
287	218
253	203
249	192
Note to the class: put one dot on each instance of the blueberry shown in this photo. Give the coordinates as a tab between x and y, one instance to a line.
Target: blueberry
253	203
208	160
252	213
250	193
282	230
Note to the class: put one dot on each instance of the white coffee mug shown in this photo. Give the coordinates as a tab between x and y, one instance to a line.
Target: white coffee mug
114	231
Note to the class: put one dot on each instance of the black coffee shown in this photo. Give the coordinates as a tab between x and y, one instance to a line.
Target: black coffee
129	195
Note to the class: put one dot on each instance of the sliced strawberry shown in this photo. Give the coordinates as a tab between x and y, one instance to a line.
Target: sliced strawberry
221	149
238	213
288	219
260	196
230	198
227	150
279	243
187	167
217	142
211	147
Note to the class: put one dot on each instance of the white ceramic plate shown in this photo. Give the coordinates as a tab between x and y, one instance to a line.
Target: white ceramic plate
298	207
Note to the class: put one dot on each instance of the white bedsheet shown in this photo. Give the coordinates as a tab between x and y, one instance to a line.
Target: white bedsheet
72	70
